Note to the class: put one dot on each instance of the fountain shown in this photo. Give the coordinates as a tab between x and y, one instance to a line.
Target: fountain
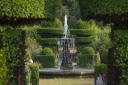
67	52
66	49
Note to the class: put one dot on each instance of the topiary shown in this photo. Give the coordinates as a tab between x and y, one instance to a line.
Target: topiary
47	51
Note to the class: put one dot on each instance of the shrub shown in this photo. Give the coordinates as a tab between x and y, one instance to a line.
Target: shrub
27	75
86	57
109	7
22	9
99	69
82	32
14	51
88	50
47	58
118	68
3	68
48	42
56	23
32	74
50	32
84	40
47	51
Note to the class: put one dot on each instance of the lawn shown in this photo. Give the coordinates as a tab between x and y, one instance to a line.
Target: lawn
67	81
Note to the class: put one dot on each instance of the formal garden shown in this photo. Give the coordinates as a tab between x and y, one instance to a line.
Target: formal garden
93	34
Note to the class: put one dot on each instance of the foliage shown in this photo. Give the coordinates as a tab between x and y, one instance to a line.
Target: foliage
47	51
14	50
103	43
47	58
32	45
82	32
85	40
88	50
35	73
104	7
50	32
120	58
86	57
48	42
56	23
99	69
51	7
3	68
22	9
27	75
90	24
32	74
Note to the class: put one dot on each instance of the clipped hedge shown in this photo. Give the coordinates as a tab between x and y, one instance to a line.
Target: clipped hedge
51	7
22	9
14	51
46	61
99	69
32	74
85	40
103	7
3	68
48	41
82	32
86	57
47	58
56	23
118	64
51	32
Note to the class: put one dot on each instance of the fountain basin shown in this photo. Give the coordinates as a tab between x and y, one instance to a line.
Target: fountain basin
77	72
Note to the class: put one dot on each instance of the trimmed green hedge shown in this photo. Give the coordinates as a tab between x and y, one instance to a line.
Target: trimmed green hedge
55	23
48	41
14	50
54	32
85	40
32	74
15	9
51	7
103	7
86	57
46	61
3	68
82	32
47	58
22	8
118	64
99	69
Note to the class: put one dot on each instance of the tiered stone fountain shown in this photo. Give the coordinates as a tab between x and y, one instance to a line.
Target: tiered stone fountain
66	51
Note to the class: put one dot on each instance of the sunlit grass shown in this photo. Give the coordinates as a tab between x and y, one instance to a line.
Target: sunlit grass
67	81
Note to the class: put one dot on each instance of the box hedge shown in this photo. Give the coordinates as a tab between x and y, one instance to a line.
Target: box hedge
48	41
86	57
85	40
51	32
22	8
103	7
3	68
118	60
82	32
47	58
16	9
32	74
14	52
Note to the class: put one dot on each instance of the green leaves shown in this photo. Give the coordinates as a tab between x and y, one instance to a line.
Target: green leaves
103	7
120	41
14	9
